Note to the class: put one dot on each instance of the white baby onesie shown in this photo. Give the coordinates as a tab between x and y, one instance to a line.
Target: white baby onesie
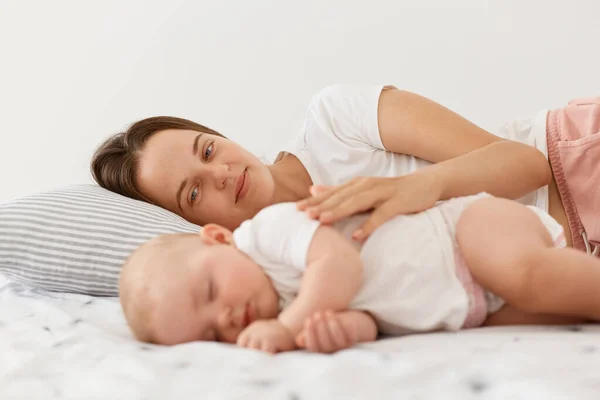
410	283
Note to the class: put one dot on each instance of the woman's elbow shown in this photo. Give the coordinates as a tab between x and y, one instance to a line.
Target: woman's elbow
534	163
542	166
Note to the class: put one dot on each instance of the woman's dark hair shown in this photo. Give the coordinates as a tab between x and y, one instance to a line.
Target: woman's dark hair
115	162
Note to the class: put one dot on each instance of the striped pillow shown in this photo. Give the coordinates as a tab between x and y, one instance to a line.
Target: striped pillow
75	239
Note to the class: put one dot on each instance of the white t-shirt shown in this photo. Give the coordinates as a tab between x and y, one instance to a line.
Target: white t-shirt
409	279
340	139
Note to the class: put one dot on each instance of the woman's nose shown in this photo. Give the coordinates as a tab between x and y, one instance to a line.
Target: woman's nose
220	174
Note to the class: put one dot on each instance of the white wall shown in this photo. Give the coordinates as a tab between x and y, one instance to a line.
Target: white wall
73	72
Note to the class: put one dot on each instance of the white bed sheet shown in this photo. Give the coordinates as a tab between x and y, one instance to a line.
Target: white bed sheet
67	346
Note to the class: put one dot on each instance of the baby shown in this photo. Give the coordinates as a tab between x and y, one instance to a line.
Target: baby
282	281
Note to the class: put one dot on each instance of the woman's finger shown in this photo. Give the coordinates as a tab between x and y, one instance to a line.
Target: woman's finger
357	188
320	189
380	215
359	198
361	202
328	191
316	198
331	203
329	200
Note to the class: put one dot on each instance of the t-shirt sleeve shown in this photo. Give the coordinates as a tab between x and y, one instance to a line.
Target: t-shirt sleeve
349	112
280	234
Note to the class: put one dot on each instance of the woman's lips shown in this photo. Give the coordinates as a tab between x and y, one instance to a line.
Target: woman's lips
242	185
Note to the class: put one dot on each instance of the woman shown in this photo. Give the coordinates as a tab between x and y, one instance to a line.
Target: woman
362	148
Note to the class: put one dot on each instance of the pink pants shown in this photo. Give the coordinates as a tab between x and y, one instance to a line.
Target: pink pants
574	152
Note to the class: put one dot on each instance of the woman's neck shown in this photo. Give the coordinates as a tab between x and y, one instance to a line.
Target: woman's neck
292	181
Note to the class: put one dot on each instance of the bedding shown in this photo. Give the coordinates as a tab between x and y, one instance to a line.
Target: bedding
74	346
75	238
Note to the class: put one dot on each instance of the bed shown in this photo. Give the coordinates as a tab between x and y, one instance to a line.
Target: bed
71	346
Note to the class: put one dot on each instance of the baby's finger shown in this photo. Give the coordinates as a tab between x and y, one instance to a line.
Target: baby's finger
310	336
338	335
300	340
324	340
267	347
242	340
254	344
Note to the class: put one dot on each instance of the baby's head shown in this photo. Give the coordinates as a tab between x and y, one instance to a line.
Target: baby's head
185	287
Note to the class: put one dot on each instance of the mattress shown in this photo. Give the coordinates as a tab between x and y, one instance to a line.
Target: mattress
68	346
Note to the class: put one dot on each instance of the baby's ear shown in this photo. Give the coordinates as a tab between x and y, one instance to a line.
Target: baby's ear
216	234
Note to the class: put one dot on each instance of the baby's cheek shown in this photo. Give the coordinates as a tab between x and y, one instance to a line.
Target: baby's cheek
238	288
241	279
230	336
182	331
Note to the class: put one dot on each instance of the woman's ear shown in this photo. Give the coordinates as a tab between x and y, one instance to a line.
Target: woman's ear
216	234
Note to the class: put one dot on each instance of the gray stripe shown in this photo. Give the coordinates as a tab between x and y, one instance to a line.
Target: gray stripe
82	264
143	210
97	218
135	234
111	202
72	217
86	248
91	212
73	274
88	282
109	198
61	286
86	226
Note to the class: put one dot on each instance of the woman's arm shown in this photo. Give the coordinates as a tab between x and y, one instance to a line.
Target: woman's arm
467	159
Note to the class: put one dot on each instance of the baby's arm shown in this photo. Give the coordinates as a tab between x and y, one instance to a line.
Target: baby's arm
332	278
328	332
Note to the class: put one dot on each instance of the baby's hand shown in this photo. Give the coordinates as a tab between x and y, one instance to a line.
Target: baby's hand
328	332
268	335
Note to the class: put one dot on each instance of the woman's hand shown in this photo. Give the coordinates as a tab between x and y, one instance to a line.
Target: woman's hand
385	197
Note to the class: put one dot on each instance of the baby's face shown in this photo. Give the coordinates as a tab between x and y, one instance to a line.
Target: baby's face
221	293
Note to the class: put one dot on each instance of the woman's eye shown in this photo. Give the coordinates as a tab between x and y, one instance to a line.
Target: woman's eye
194	194
208	151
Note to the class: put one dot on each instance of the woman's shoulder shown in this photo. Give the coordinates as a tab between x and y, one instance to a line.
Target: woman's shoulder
339	126
341	96
346	113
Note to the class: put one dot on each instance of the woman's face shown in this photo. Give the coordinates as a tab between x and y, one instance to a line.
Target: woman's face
203	177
